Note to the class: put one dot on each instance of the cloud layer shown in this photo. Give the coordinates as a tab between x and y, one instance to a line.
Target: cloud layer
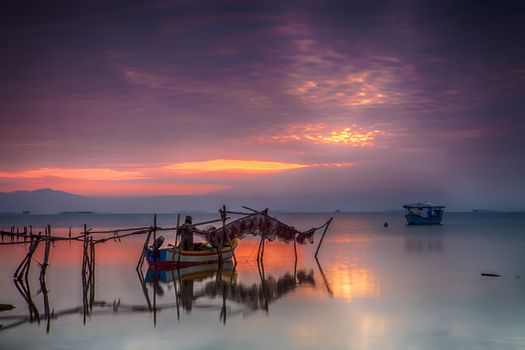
423	100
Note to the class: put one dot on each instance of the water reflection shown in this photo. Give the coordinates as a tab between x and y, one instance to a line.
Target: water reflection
424	244
196	286
398	288
353	282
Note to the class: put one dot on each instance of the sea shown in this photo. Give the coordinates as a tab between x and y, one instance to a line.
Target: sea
459	285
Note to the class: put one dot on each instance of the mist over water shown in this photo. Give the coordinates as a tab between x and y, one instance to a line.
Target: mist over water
374	288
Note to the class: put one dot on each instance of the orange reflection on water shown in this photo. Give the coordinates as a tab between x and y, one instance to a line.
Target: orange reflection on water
349	283
347	270
278	256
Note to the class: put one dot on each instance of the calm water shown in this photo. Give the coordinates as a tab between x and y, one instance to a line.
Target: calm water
374	288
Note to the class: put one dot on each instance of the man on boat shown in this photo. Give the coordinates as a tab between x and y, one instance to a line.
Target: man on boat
186	234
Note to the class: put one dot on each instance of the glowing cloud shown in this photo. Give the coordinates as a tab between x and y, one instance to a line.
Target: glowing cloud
361	89
321	133
90	174
217	165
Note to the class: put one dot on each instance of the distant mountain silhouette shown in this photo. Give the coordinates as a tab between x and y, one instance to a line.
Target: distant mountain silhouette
49	201
43	200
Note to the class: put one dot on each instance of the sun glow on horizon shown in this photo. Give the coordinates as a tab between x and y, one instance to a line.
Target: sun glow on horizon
183	178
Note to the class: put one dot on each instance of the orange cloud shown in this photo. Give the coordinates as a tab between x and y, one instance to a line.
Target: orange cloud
185	178
90	174
321	133
218	165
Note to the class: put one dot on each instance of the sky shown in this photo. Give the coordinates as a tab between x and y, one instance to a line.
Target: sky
350	105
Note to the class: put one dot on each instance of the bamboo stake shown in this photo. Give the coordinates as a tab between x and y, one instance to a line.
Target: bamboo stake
155	252
141	257
92	274
325	280
47	312
177	231
260	267
295	260
25	291
259	250
327	224
263	245
223	217
176	292
144	289
43	268
26	261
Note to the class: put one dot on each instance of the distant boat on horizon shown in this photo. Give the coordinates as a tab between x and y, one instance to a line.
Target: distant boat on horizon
424	213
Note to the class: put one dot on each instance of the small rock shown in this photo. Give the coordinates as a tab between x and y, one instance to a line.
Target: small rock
6	307
491	275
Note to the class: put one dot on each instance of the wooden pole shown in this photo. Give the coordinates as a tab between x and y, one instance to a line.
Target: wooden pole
43	268
47	311
295	247
295	254
144	288
24	265
155	249
145	247
176	242
43	278
92	274
223	217
262	249
260	267
327	224
325	280
84	252
176	292
85	282
177	231
155	252
259	250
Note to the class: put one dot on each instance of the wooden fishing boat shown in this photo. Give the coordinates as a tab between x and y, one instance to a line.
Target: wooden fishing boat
173	257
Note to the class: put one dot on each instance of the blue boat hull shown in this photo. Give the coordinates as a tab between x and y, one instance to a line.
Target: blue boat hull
415	219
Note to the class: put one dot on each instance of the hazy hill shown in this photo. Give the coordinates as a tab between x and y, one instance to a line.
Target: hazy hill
46	201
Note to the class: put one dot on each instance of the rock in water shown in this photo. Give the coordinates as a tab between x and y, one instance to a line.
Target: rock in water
6	307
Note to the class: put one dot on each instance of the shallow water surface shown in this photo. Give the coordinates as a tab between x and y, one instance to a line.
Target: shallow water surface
400	287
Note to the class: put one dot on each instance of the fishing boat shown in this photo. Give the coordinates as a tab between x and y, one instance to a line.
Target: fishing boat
220	243
424	213
175	257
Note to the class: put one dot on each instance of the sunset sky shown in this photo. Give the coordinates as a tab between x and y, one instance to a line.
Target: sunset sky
354	105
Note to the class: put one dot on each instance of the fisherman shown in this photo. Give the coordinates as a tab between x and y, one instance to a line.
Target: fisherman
186	234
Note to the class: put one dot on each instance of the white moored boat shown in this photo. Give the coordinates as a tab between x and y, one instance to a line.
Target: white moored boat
424	213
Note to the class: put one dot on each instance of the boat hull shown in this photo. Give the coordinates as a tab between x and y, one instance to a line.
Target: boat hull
170	258
192	272
415	219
